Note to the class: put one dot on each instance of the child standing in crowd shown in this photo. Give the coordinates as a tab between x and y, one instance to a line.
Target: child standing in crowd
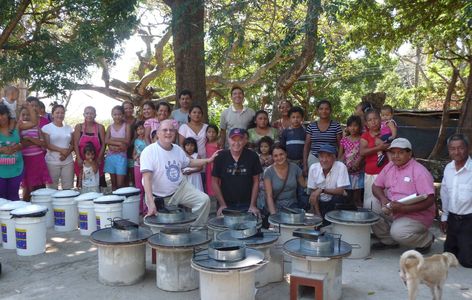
349	153
211	147
192	174
293	137
90	175
388	130
117	139
264	149
139	145
36	174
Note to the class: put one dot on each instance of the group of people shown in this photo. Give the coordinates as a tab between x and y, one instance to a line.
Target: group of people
244	164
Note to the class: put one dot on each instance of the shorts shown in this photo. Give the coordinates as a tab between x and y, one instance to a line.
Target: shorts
116	163
357	181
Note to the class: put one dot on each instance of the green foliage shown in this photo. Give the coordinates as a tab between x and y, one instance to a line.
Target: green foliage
55	42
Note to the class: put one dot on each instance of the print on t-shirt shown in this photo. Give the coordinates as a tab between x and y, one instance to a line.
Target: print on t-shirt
237	170
173	171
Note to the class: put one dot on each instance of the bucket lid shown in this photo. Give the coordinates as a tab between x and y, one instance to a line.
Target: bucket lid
109	199
43	192
3	201
65	194
13	205
33	210
88	196
127	191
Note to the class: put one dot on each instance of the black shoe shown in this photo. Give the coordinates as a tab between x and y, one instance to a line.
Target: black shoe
381	159
382	246
426	249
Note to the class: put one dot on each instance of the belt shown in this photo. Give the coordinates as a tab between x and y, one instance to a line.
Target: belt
460	217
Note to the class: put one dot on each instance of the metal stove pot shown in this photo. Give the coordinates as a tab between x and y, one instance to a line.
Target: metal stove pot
292	215
227	251
234	217
243	230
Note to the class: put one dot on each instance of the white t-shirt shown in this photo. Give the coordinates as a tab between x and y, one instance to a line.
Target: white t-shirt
59	137
11	107
166	167
186	132
336	178
90	178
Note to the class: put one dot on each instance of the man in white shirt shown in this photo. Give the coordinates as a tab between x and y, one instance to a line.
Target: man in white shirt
161	165
181	114
456	197
235	116
327	179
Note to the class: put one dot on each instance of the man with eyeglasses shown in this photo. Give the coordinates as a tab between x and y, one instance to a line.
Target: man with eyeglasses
161	165
235	175
456	197
405	224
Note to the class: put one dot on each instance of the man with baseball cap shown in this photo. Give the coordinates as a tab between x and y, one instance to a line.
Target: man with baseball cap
327	180
235	175
405	224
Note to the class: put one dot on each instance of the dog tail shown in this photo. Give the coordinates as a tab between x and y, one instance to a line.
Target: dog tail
410	258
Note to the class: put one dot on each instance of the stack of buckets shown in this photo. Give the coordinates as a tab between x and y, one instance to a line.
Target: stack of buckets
8	224
43	197
107	208
87	218
65	210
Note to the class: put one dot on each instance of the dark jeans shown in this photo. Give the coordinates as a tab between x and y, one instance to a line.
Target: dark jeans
326	207
9	187
459	238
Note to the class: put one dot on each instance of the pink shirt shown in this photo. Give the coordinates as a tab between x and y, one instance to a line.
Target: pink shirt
411	178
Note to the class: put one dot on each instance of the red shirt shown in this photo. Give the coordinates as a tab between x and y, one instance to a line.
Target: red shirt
371	160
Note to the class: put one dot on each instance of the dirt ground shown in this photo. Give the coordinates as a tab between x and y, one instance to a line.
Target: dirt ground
69	270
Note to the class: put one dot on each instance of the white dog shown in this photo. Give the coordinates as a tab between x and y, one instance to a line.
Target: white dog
432	271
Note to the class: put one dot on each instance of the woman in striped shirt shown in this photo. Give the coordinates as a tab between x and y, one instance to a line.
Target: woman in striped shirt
36	174
323	131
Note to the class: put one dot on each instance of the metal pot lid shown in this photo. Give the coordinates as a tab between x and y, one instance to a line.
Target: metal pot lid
11	205
193	238
65	194
127	191
105	236
253	257
88	196
109	199
29	211
349	216
156	220
43	192
310	220
218	222
263	237
293	247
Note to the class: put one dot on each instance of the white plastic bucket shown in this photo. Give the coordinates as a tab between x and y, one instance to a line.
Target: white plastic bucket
85	206
131	203
8	224
65	210
106	209
43	197
30	229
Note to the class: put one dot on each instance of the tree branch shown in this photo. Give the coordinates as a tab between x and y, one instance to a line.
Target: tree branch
13	22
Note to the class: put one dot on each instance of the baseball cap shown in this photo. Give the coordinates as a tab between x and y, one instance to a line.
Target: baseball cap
237	132
401	143
327	148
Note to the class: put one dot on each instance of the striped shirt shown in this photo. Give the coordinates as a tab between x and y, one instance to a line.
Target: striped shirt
318	137
33	149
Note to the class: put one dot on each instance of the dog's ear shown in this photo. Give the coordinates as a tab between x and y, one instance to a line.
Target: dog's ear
451	259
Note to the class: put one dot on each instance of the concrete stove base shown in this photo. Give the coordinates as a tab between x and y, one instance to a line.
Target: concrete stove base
121	264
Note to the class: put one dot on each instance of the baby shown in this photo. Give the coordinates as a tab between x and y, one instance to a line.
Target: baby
388	130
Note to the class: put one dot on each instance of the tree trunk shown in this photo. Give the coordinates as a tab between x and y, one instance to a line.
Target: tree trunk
189	52
465	120
438	147
286	81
